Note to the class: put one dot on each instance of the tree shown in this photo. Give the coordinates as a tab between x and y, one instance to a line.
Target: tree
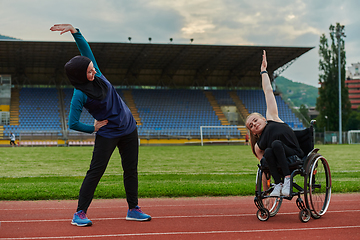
328	101
354	120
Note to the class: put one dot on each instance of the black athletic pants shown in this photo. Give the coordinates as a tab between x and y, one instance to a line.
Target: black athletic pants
104	147
277	156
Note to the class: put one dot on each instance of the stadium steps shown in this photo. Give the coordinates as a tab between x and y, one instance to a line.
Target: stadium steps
1	132
240	106
214	104
14	107
61	97
129	100
241	109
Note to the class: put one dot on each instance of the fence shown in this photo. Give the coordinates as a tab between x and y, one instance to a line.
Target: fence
74	138
328	137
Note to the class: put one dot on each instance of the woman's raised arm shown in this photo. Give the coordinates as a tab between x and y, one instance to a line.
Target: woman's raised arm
81	42
271	106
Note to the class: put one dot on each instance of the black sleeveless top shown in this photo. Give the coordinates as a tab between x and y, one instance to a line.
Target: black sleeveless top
279	131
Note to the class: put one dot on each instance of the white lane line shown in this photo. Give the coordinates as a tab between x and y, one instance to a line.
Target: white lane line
123	218
117	207
183	233
164	217
145	206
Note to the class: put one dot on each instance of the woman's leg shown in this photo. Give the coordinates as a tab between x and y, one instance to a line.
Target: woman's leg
129	150
281	152
103	149
272	163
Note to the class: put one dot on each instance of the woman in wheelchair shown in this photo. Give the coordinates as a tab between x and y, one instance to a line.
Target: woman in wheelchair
271	139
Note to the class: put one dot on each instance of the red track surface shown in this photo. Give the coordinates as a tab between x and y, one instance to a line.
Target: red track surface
178	218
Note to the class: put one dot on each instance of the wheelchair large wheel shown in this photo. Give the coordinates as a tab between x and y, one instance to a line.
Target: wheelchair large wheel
317	188
265	185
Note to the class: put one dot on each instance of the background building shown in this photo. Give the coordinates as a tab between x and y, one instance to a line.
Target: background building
353	83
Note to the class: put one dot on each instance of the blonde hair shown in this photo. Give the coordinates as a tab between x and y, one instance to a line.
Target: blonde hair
253	137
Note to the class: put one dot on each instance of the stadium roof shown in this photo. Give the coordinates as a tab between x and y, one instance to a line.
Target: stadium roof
168	65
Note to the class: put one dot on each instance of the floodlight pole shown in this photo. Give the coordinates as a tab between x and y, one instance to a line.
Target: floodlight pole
339	33
339	70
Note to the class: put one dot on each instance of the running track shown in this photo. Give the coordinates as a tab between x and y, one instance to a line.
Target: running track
178	218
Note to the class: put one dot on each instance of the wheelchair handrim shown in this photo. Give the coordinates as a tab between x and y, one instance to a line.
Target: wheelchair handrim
325	204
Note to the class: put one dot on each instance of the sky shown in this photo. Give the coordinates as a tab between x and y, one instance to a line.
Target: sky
290	23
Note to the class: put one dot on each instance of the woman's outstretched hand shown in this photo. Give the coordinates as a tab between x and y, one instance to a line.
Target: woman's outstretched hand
264	62
63	28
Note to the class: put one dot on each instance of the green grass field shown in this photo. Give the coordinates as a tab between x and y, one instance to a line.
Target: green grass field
35	173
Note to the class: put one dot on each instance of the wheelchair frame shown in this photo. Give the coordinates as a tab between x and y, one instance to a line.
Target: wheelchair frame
316	189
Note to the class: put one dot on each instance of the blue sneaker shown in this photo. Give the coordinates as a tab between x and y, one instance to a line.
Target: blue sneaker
80	219
136	214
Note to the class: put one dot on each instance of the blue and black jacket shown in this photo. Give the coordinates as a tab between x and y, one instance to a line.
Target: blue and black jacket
112	107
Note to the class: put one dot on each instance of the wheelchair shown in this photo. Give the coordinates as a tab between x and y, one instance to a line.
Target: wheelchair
316	189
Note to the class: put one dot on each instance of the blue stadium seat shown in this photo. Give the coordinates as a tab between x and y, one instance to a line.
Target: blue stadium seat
38	107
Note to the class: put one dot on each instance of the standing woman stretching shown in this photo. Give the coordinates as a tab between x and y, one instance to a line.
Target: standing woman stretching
114	126
273	139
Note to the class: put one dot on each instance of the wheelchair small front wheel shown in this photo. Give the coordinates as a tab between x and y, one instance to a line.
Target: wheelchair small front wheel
263	214
304	215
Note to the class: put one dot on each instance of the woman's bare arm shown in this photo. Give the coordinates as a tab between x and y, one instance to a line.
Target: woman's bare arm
271	106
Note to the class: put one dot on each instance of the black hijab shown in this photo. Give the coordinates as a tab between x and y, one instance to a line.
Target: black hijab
76	71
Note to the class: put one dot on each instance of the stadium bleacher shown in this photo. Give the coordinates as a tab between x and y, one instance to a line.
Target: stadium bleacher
173	112
254	101
38	111
163	112
223	97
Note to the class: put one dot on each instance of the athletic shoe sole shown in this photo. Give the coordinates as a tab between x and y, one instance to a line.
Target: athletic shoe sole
81	225
138	219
